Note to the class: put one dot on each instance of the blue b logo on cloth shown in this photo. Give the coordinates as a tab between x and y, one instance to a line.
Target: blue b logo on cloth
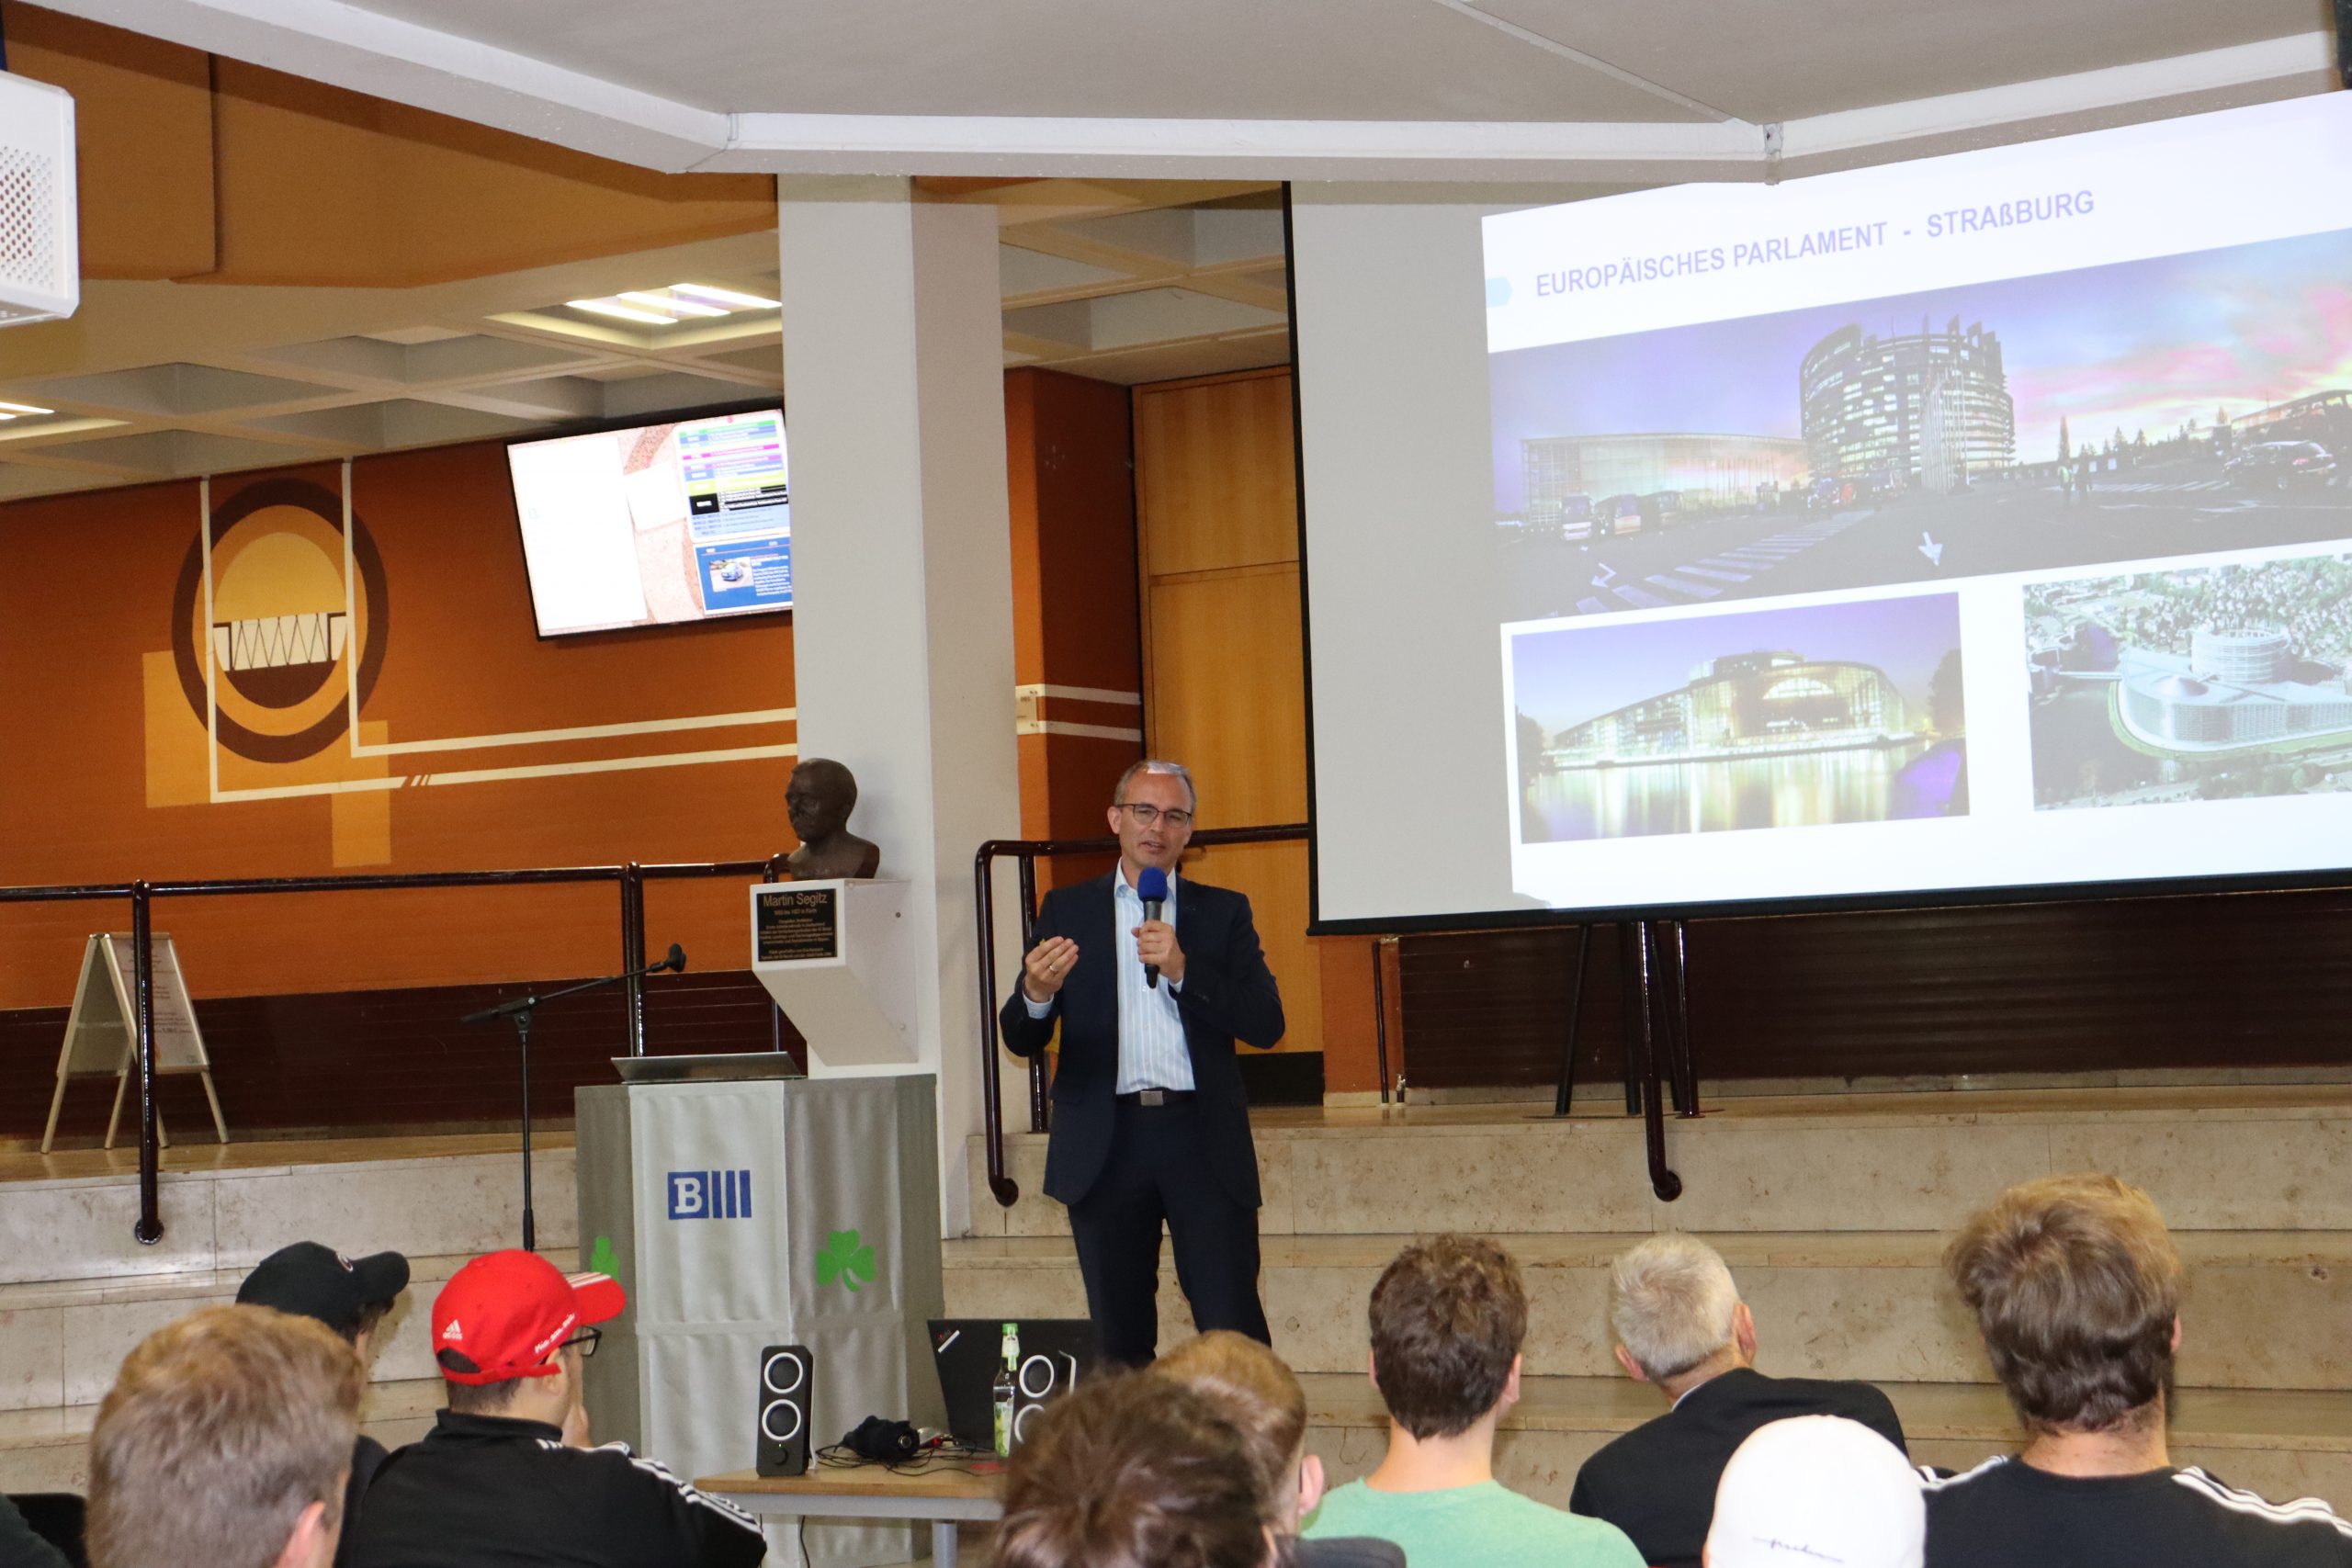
710	1194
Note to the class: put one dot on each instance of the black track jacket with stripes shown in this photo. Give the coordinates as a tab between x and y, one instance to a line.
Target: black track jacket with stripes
2005	1514
489	1492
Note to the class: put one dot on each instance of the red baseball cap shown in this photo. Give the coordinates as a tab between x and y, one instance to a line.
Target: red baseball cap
503	1315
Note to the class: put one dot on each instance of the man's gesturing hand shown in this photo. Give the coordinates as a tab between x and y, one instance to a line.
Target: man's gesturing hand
1156	945
1048	965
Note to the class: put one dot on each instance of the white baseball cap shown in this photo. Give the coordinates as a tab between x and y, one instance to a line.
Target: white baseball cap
1817	1492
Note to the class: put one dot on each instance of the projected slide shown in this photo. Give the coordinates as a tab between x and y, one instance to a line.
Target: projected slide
1797	490
1975	524
657	524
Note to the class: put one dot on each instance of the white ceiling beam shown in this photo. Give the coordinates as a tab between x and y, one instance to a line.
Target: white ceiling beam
371	53
2058	104
1263	149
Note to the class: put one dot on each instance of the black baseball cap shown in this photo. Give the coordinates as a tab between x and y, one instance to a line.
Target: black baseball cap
312	1280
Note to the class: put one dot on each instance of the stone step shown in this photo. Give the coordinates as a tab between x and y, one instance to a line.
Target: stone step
48	1451
2282	1444
69	1215
2264	1309
61	1342
2215	1157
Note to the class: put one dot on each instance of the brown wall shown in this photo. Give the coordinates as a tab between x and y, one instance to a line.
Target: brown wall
336	1010
1216	489
1072	493
103	777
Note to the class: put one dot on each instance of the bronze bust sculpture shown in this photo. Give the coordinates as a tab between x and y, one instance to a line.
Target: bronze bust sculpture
819	800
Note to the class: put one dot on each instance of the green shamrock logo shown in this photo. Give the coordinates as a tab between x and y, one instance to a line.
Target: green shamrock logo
845	1259
600	1256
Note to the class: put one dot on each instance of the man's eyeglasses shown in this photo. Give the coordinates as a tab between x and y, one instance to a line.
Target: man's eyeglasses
1148	815
587	1339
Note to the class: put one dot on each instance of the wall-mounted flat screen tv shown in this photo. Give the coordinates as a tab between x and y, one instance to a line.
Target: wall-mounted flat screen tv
656	524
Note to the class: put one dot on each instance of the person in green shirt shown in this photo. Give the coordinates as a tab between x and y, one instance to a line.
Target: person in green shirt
1448	1317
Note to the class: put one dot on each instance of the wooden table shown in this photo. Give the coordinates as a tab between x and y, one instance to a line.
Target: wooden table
944	1495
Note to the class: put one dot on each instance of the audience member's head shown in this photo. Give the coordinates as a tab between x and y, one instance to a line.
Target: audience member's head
1817	1489
1675	1310
1261	1399
1448	1316
225	1441
2076	1290
349	1295
510	1330
1133	1471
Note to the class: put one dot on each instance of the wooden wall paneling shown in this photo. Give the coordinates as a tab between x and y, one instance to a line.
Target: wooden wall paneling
1229	696
2115	985
390	1058
321	186
1076	597
1274	876
1224	675
1216	472
1351	1026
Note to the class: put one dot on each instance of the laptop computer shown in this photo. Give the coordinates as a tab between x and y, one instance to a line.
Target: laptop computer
1054	1353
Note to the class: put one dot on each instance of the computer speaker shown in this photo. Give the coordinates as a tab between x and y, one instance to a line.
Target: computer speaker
786	1376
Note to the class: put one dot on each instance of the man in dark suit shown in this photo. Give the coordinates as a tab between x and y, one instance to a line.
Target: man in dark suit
1150	1121
1682	1325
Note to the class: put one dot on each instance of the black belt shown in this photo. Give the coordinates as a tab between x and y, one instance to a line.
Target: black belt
1157	1097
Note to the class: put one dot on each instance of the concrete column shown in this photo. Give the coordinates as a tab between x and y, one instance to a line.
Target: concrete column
903	624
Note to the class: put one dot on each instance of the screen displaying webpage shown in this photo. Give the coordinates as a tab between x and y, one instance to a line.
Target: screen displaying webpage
1978	522
656	524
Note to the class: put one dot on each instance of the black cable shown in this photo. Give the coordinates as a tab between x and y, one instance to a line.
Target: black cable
934	1459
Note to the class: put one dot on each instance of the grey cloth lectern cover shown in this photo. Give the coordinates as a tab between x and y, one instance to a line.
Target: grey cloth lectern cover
740	1215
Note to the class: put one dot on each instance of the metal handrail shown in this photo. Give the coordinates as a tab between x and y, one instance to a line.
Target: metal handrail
1029	852
631	879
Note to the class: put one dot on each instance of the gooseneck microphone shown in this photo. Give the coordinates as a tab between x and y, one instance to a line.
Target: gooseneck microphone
676	962
1152	889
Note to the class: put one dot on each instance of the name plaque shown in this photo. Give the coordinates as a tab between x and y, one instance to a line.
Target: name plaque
797	923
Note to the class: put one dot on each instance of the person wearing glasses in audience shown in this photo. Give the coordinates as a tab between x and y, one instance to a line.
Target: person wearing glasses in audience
507	1475
1150	1121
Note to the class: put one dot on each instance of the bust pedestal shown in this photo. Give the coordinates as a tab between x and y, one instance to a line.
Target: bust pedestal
835	956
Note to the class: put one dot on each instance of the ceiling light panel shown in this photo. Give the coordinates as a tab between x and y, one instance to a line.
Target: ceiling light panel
729	296
622	312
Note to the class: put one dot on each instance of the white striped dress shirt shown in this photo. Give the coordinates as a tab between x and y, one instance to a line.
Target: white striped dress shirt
1152	1052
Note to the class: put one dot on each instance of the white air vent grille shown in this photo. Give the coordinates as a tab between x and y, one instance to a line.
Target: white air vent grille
40	264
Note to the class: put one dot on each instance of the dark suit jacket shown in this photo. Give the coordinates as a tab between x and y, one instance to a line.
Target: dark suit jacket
1657	1481
1228	995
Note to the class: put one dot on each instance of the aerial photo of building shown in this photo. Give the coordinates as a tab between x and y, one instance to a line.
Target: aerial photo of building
2237	687
1705	470
1746	704
1930	406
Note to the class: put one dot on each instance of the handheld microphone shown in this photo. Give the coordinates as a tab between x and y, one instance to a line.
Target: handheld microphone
1152	889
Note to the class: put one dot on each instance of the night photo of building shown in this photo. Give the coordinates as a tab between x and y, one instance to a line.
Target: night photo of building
1793	717
1746	704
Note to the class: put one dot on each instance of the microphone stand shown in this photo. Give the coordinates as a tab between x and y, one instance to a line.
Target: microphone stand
521	1010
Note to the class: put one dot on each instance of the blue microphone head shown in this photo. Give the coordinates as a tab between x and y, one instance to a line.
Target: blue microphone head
1152	885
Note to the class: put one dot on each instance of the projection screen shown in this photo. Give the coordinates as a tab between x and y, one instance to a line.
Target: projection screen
1970	524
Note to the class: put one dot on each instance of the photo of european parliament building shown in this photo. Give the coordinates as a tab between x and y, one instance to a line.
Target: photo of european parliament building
2235	688
2196	683
1746	704
1928	406
1796	718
